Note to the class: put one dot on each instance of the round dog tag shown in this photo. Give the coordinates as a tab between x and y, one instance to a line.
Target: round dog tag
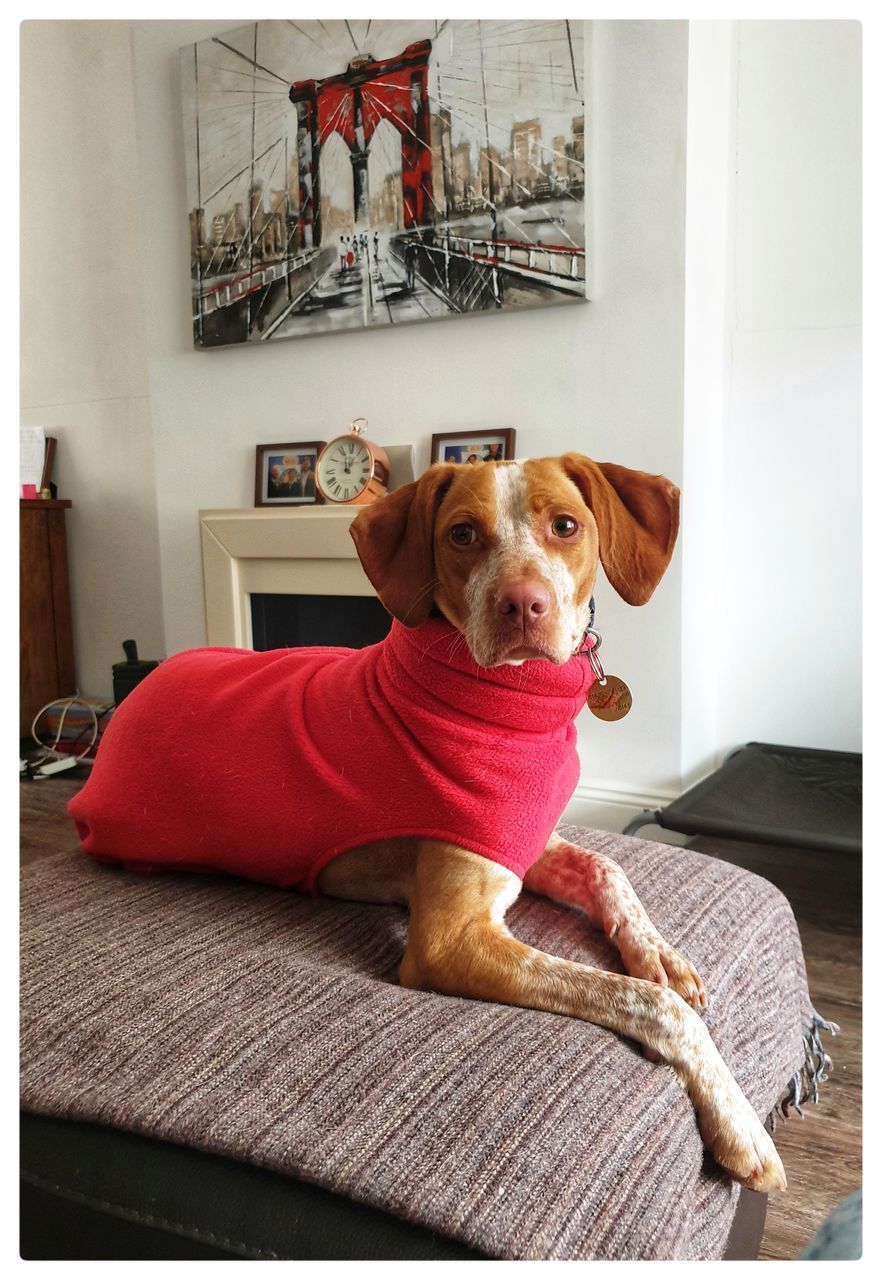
609	701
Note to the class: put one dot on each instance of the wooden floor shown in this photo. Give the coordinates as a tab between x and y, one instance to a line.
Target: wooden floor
822	1152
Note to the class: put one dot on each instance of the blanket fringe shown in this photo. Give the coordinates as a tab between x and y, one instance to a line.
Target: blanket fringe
803	1086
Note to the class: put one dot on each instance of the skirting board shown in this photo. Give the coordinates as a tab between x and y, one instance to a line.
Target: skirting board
608	809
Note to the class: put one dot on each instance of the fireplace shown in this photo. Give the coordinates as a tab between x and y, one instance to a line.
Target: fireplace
289	621
283	578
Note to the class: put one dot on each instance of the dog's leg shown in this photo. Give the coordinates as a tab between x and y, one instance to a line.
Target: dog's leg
459	945
598	886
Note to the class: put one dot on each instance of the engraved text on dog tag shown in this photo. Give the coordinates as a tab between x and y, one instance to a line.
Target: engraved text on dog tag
609	701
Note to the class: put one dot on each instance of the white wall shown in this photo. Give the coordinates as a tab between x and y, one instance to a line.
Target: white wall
83	350
772	426
790	653
707	328
605	378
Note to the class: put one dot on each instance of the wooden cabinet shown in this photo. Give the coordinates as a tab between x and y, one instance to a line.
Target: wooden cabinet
45	637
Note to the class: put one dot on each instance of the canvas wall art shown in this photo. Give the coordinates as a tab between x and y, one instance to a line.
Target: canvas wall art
348	174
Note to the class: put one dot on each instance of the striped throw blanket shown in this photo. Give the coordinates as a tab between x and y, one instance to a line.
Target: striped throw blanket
265	1026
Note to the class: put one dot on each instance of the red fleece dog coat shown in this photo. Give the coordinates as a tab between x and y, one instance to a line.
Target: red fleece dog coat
268	765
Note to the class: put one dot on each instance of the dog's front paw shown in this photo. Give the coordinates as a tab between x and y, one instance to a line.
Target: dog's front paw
741	1146
683	977
647	955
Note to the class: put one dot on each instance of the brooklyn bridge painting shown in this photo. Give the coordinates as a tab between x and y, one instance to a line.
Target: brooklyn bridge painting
346	174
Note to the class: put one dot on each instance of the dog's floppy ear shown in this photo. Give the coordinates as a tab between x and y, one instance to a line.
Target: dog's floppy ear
394	540
637	516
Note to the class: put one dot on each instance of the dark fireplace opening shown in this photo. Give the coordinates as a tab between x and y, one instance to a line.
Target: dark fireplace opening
290	621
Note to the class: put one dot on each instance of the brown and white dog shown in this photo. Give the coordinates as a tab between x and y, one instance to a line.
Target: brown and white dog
508	553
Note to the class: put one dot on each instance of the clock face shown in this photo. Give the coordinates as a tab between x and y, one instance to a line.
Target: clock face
344	469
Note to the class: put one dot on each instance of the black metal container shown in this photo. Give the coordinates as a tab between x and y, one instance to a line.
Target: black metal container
131	672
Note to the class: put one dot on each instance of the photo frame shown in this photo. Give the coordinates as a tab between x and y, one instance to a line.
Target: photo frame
474	446
284	474
48	463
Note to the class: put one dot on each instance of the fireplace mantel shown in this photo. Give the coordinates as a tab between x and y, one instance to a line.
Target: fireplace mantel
283	551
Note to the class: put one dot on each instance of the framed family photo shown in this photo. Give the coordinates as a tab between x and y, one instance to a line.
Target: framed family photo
285	474
475	447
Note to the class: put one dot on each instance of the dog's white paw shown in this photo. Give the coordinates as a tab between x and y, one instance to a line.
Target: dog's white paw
741	1146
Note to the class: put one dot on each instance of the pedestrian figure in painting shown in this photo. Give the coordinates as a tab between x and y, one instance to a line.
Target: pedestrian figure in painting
376	244
342	252
410	253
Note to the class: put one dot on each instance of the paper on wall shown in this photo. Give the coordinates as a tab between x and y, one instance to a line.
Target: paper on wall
33	455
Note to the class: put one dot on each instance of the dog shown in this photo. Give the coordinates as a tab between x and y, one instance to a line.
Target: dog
439	761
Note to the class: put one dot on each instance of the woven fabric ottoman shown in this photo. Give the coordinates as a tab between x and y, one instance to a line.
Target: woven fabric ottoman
235	1066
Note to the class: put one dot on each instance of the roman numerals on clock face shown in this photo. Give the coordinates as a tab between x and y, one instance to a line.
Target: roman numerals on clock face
345	470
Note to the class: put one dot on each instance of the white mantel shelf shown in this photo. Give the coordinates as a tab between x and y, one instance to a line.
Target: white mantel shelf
281	551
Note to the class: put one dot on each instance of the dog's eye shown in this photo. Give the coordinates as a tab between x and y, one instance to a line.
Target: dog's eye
564	526
462	535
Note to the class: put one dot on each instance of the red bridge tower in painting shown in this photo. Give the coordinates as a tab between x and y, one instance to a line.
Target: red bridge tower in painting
352	105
